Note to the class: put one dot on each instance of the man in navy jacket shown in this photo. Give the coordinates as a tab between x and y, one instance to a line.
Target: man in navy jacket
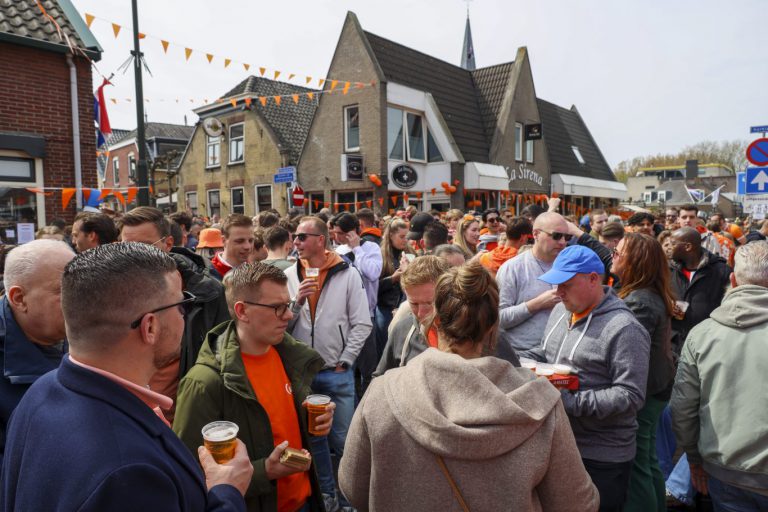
91	435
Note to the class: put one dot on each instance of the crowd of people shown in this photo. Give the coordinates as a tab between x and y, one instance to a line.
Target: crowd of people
467	361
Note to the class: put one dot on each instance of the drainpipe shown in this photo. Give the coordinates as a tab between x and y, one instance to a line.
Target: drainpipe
75	132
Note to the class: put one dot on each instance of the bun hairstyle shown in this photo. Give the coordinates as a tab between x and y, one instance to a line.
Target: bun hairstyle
467	307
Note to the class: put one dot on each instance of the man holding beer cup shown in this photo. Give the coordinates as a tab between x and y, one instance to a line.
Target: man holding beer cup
253	380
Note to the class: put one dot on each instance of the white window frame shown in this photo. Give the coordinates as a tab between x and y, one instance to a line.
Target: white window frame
407	136
131	168
256	196
347	147
116	171
235	140
187	196
36	181
208	198
357	198
578	155
209	142
518	142
529	151
232	199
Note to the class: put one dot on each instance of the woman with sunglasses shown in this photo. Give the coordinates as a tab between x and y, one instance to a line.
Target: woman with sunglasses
467	235
641	265
395	251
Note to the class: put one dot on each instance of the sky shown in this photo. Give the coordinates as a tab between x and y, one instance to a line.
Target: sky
648	76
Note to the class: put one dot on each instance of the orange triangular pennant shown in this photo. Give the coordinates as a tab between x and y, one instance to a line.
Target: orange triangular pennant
209	57
246	66
227	62
394	200
381	201
334	83
311	95
262	71
104	193
165	45
320	82
263	101
434	191
309	79
277	99
66	196
131	195
89	19
120	197
369	203
188	52
359	85
277	74
233	102
346	88
142	36
327	205
116	28
317	204
290	77
248	102
295	98
418	195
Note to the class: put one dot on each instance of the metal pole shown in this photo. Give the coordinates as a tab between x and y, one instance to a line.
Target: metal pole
141	165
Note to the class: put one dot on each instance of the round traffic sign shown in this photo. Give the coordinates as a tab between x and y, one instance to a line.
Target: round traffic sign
757	152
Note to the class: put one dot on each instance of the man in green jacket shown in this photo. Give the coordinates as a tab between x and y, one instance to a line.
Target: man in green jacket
717	414
252	373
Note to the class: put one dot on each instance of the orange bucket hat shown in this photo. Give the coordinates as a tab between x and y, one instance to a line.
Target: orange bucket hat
210	238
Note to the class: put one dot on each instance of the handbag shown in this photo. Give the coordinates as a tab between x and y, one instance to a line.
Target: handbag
454	487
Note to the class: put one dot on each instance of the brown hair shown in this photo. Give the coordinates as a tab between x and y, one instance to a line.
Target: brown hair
235	220
387	251
459	240
424	270
467	306
646	267
146	215
248	278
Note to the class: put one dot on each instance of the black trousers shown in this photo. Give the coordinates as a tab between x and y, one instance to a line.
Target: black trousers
612	482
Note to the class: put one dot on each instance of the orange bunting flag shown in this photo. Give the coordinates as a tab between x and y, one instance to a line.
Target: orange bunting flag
334	83
66	196
248	102
335	206
295	98
86	194
89	19
369	203
306	201
263	101
434	191
187	52
120	197
346	88
373	83
233	102
317	204
309	79
277	99
142	36
290	77
327	205
394	200
359	85
320	82
227	62
165	45
131	194
209	57
39	191
277	74
116	28
113	100
405	198
104	193
262	71
381	201
418	195
311	95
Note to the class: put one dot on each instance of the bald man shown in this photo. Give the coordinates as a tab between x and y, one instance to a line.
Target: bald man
524	301
31	323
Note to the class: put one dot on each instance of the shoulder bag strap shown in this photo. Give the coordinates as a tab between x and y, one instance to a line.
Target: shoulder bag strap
406	344
454	487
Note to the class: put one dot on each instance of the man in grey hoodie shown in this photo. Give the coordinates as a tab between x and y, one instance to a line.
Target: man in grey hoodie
594	332
716	411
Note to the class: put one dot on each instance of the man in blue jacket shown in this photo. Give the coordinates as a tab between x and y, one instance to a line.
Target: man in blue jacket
91	435
31	324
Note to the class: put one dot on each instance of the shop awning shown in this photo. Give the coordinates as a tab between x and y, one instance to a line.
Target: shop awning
478	176
579	186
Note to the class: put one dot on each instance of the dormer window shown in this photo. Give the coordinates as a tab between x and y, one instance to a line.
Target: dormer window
578	155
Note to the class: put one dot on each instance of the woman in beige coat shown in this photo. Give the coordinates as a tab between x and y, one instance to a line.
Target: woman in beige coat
454	431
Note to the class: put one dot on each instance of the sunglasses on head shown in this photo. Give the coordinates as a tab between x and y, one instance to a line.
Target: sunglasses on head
557	236
302	237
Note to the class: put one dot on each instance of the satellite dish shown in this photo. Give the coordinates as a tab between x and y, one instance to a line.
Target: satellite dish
213	127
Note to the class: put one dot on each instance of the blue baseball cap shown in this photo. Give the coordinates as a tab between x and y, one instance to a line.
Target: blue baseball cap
573	260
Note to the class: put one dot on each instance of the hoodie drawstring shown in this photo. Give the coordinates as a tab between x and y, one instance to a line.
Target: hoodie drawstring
562	344
544	346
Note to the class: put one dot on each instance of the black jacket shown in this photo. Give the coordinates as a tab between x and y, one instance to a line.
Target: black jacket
703	293
208	311
390	293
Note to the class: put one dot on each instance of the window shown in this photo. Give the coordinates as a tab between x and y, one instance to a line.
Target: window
433	152
263	197
578	155
416	139
348	199
395	133
192	202
214	203
529	151
115	171
236	140
17	169
238	200
518	142
352	128
213	149
131	167
418	145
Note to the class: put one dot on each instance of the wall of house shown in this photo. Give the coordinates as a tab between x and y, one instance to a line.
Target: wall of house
320	164
122	155
262	158
35	99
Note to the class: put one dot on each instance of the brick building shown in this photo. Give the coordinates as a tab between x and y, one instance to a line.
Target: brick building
39	77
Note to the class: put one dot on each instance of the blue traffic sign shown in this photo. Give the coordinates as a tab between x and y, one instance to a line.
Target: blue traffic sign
757	152
741	183
757	180
284	178
758	129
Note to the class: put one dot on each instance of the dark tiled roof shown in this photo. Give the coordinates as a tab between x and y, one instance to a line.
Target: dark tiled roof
491	84
23	18
562	129
290	121
452	87
164	131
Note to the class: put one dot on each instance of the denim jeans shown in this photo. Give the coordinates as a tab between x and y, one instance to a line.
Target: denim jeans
679	483
612	482
340	386
666	443
729	498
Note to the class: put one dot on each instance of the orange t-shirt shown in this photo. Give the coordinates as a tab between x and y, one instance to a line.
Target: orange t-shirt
273	390
735	230
575	317
432	336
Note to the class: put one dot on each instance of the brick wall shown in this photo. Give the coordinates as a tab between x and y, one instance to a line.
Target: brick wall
121	155
35	99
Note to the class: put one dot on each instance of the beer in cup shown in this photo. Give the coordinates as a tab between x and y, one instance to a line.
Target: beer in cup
220	438
312	272
316	405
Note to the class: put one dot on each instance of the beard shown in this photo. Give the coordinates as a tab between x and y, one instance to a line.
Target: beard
164	357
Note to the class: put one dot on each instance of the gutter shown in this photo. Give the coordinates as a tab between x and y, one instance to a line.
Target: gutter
75	132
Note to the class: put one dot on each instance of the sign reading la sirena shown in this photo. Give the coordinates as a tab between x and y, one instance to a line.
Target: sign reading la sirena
525	173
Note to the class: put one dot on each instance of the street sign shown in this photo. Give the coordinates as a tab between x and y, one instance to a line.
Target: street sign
757	180
755	202
758	129
741	183
757	152
285	175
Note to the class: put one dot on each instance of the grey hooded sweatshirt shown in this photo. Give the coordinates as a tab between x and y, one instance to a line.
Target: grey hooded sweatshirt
502	433
719	410
610	350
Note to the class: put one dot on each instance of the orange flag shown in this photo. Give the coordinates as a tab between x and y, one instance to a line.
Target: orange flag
263	101
246	66
142	36
165	45
320	82
113	100
359	85
290	77
104	193
277	99
89	19
86	194
317	204
262	71
120	197
369	203
277	74
66	196
346	88
247	102
131	194
188	52
116	28
309	79
394	200
311	95
227	62
418	195
334	83
233	102
295	98
434	191
381	201
209	57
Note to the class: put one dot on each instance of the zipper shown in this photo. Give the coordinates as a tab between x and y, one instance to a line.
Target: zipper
343	343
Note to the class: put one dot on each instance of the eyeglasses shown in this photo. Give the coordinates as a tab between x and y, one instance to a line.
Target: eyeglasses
671	216
159	241
557	236
495	220
280	309
302	237
188	299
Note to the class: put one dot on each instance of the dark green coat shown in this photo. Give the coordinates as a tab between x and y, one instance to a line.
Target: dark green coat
217	388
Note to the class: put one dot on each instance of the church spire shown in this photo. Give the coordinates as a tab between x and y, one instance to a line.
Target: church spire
468	49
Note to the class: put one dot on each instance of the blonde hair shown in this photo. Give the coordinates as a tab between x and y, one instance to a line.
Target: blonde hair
453	214
459	239
424	270
387	251
467	307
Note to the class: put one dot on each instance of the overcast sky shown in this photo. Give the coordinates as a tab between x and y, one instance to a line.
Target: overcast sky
648	76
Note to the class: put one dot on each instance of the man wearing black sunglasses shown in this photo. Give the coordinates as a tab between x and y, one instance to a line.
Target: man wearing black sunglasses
492	228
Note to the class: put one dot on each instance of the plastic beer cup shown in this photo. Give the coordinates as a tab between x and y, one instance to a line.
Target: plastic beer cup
316	405
220	438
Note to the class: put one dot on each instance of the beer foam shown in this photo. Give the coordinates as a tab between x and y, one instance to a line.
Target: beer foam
220	433
318	400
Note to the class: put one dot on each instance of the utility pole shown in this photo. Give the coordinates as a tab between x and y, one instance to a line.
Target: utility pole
141	165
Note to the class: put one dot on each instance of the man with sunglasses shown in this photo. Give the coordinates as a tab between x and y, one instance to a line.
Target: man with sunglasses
91	435
251	372
492	228
524	300
149	226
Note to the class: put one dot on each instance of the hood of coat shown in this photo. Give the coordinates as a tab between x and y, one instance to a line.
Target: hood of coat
481	408
195	275
743	306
